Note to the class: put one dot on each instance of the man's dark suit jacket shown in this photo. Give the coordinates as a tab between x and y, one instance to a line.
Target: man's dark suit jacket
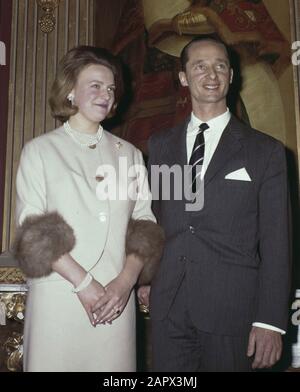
234	253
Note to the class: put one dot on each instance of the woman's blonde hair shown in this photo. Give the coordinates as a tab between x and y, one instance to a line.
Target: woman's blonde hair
70	66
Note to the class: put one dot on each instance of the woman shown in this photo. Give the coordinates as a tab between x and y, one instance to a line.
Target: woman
80	312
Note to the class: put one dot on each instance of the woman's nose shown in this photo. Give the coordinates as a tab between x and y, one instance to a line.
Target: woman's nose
105	93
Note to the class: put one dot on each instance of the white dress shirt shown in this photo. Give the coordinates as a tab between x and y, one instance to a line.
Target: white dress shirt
212	137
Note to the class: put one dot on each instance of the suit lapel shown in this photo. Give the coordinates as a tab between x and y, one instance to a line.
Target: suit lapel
175	154
228	146
175	148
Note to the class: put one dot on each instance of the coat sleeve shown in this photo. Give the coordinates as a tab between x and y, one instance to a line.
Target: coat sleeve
274	242
41	238
142	209
30	184
144	237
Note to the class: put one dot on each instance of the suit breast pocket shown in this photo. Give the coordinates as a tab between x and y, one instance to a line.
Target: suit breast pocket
235	187
231	196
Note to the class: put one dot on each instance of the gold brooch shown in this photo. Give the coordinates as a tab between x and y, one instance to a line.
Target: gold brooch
119	145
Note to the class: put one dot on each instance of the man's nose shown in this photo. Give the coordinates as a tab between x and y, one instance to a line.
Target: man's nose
212	73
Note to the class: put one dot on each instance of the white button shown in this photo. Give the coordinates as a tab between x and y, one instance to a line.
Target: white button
102	217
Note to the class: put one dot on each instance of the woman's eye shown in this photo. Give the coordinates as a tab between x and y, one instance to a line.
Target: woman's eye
111	89
96	86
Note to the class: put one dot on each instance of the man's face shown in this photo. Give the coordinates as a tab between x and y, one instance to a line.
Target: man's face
208	74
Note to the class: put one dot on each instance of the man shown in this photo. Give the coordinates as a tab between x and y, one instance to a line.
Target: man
219	301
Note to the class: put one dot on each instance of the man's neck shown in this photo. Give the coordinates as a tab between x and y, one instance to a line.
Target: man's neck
208	112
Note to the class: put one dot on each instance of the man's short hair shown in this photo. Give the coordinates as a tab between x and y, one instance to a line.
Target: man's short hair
184	55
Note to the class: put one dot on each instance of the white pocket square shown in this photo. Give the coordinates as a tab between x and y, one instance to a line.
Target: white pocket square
240	175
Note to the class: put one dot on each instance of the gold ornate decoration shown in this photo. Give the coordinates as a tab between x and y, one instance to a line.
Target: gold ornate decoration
47	21
11	275
14	305
190	22
14	350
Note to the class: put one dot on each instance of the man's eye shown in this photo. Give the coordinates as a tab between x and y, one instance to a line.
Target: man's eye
96	86
221	66
201	67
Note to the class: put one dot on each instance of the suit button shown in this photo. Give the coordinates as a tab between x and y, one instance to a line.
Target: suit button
192	229
102	217
183	259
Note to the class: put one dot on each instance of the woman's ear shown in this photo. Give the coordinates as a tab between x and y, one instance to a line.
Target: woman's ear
112	111
71	97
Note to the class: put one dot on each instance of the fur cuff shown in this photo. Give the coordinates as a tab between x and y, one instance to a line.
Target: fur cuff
41	240
145	239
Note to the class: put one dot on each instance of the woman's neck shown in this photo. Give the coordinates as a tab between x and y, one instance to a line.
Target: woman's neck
82	125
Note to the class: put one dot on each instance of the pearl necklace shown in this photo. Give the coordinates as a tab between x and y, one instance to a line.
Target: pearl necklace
84	139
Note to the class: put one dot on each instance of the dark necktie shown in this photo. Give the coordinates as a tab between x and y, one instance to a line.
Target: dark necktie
197	155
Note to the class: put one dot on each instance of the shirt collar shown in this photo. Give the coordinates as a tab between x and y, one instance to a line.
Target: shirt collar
218	122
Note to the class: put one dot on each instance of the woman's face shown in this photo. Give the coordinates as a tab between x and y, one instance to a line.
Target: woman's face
94	93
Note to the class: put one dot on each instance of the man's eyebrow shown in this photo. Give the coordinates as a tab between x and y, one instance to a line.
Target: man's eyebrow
219	60
222	60
198	62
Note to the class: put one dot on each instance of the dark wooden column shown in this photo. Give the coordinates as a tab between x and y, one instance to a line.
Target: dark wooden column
5	31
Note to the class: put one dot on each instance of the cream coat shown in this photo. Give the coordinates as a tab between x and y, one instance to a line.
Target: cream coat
57	174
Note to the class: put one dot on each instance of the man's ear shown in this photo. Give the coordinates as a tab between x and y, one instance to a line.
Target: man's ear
182	78
231	75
